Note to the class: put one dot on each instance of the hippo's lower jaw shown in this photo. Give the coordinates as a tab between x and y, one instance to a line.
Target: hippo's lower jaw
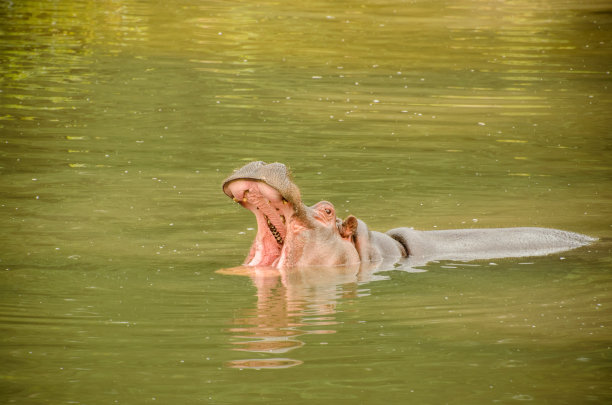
272	212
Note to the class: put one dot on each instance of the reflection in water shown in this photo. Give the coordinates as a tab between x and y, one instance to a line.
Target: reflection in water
267	363
290	304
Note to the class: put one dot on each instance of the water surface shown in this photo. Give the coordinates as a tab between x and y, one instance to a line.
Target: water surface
119	120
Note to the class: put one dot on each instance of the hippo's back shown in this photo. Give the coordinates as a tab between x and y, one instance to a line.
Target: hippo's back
473	244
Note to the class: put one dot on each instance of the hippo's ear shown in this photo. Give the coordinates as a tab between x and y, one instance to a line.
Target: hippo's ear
348	228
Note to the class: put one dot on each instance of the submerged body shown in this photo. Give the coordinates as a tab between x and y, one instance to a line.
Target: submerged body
291	234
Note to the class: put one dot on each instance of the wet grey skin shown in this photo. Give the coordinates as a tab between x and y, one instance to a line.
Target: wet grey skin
291	234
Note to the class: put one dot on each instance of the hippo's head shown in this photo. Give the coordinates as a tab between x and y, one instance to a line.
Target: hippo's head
289	234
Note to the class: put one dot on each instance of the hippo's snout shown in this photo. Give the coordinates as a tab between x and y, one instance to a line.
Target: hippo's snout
274	175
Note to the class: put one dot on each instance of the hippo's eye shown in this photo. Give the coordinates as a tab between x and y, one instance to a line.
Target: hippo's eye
328	211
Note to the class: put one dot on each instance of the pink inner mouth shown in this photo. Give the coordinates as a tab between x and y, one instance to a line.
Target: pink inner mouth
272	212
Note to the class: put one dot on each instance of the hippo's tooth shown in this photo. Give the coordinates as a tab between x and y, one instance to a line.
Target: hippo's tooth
275	233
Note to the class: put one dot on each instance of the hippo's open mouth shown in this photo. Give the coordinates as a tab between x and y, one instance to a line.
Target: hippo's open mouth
266	191
271	211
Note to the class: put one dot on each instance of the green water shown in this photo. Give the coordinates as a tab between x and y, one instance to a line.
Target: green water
119	120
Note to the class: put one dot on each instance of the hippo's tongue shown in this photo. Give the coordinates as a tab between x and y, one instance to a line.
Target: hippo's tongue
271	211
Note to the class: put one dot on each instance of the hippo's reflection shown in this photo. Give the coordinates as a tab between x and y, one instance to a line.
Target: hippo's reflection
292	303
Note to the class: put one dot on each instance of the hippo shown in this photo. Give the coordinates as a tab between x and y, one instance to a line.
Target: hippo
291	234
